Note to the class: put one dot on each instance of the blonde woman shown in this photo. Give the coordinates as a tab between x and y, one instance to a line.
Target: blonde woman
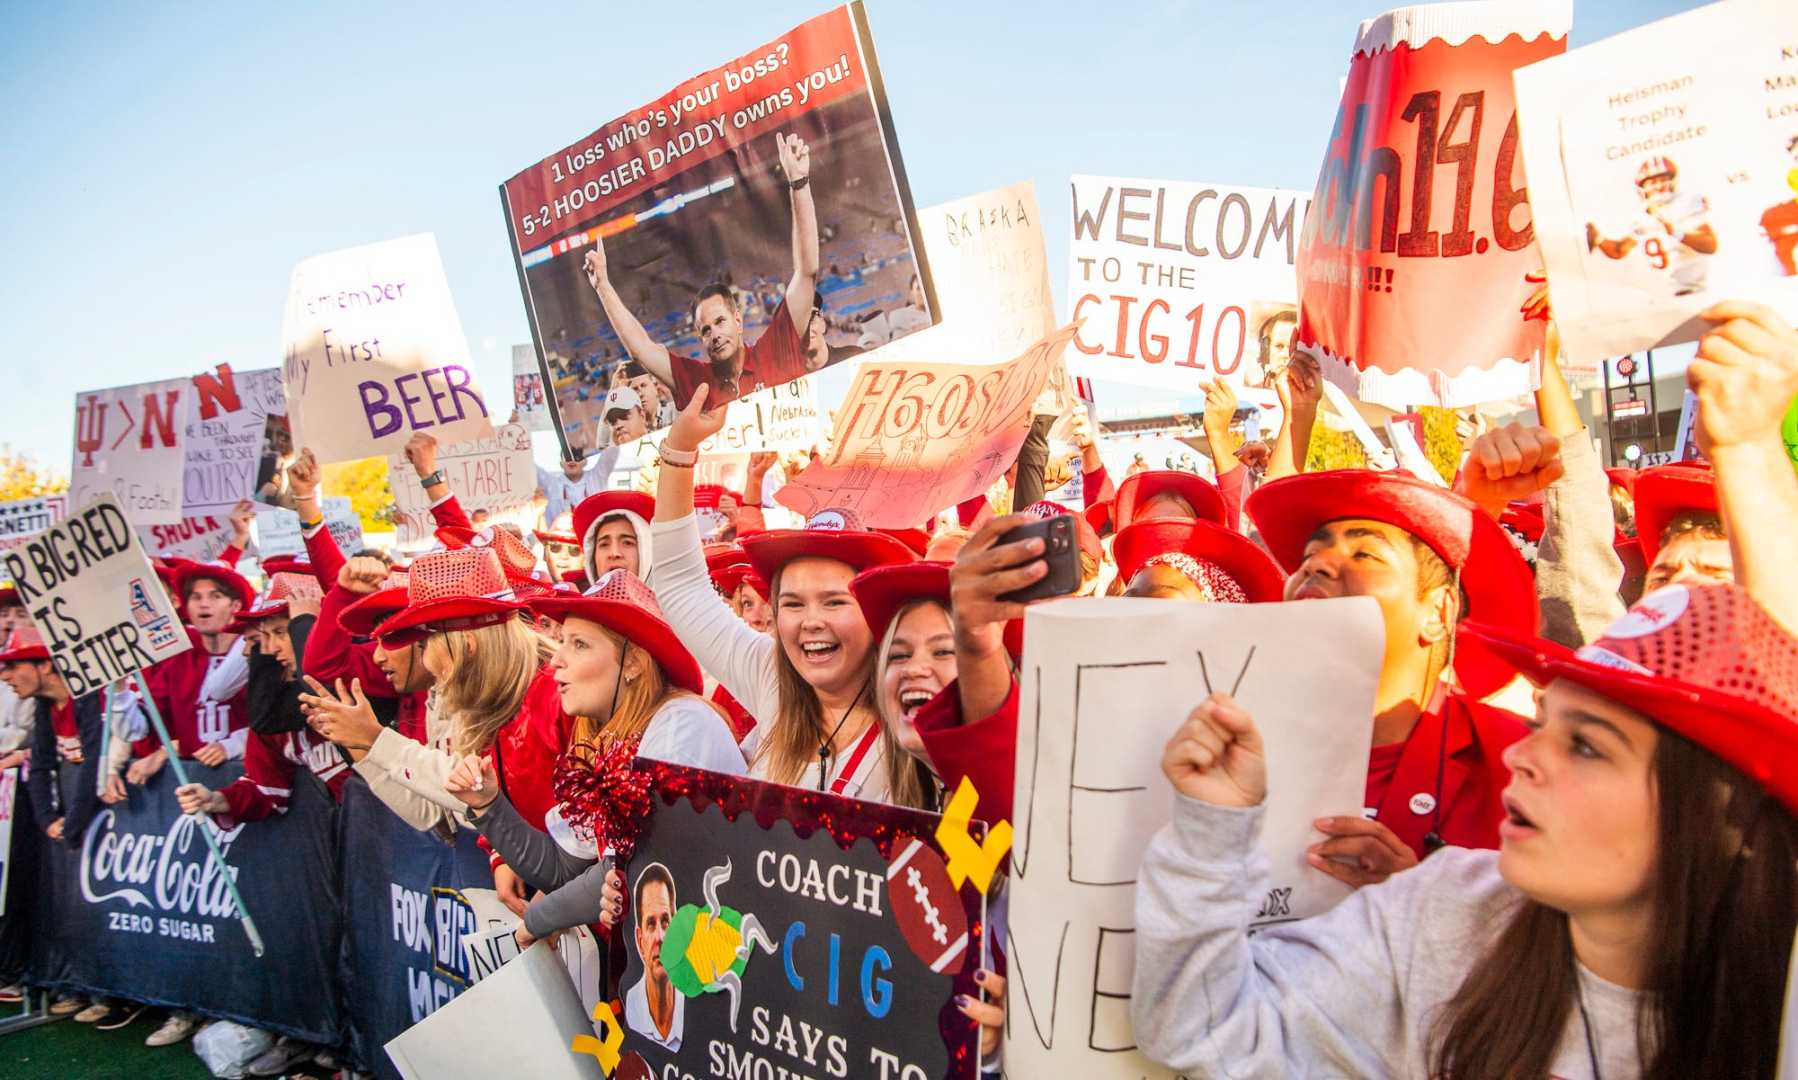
633	690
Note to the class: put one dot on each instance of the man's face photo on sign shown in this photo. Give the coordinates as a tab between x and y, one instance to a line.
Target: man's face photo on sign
724	218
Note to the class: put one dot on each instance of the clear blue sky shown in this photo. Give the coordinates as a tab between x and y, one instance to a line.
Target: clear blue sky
167	164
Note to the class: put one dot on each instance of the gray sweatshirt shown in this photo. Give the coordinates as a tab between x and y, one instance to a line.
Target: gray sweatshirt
1348	993
1577	568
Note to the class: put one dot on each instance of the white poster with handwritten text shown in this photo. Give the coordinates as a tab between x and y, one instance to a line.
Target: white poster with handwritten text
1104	684
129	441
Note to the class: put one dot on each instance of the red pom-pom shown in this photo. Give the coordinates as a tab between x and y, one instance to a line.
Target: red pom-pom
606	799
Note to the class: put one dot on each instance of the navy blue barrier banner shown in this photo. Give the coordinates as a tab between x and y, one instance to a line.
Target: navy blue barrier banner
138	910
407	907
21	886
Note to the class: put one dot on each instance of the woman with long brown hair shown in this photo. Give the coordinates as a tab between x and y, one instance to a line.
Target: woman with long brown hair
810	686
1637	919
633	691
906	606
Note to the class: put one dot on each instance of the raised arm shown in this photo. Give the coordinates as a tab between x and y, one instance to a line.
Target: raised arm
1300	390
1746	376
796	163
644	349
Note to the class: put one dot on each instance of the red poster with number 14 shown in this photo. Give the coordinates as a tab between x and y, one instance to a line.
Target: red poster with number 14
1411	265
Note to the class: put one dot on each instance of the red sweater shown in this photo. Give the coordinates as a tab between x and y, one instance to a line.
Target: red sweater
267	781
175	686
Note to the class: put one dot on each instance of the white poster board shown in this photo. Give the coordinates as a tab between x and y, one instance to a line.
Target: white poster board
224	452
527	390
1176	280
1104	685
518	1021
100	608
992	282
198	538
129	441
9	795
1662	164
21	519
494	475
374	352
278	531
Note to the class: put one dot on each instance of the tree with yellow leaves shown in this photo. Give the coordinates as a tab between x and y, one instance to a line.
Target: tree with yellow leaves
364	483
22	478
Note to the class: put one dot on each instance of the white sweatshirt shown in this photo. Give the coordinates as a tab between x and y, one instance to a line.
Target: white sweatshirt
1351	992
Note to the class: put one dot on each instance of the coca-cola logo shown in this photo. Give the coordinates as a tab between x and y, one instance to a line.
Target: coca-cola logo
169	873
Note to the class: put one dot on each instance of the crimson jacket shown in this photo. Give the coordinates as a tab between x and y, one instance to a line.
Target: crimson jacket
1474	775
175	685
268	770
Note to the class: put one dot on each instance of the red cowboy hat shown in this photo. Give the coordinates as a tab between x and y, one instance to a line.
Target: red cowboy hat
1500	589
621	603
287	564
1098	517
718	556
884	590
1136	491
187	572
830	534
577	578
1623	478
1662	494
465	589
595	508
517	560
1705	662
360	618
24	643
283	587
916	539
728	579
1526	517
1235	554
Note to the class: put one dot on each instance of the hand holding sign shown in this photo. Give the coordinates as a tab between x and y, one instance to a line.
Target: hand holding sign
694	424
1216	756
303	475
1745	375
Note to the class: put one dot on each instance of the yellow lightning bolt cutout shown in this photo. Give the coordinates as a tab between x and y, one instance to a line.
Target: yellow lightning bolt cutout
713	948
607	1050
969	860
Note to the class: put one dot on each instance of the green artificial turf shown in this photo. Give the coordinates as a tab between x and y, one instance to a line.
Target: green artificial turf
65	1050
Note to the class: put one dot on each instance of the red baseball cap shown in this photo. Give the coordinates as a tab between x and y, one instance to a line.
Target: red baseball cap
1705	662
1252	569
621	603
830	534
1500	589
1135	493
188	572
569	539
1662	494
464	589
883	590
24	643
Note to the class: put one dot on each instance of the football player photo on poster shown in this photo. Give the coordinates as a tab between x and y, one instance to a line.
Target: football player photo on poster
1670	234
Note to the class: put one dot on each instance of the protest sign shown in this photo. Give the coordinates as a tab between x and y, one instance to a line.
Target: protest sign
1090	792
21	519
801	934
779	418
226	457
527	390
493	479
698	235
278	531
9	793
530	1000
374	352
129	440
1181	283
89	588
992	281
1663	167
1405	298
913	437
198	538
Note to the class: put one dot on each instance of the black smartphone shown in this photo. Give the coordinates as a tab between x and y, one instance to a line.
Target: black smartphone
1061	550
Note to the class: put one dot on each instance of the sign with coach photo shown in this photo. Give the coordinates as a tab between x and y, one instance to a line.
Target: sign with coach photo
93	596
750	226
777	931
